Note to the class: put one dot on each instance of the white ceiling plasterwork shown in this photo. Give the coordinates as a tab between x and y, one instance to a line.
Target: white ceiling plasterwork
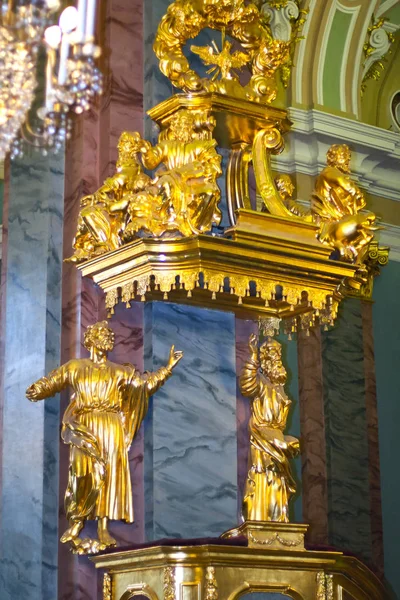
376	152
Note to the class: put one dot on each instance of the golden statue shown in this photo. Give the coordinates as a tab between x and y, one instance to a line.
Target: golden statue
239	19
270	483
335	205
183	198
104	415
285	187
103	215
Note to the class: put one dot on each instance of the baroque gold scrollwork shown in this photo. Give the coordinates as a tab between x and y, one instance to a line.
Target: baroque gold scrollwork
107	587
211	587
169	583
243	22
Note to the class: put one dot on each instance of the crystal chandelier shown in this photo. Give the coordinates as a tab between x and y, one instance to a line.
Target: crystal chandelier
71	76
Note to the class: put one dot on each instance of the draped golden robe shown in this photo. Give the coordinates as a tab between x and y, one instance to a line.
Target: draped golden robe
269	482
104	415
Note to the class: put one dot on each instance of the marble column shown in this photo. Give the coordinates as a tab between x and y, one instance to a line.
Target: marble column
346	430
190	431
313	445
31	329
91	157
373	437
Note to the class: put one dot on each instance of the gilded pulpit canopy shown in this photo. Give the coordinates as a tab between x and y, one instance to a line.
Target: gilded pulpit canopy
107	407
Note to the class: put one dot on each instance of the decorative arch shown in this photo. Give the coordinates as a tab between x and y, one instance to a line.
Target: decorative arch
329	61
139	589
271	588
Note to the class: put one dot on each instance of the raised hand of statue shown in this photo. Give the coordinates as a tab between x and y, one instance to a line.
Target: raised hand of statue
174	358
253	344
33	393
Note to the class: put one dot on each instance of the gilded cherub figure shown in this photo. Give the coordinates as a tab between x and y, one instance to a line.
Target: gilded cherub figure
103	215
104	415
335	205
270	483
285	187
183	197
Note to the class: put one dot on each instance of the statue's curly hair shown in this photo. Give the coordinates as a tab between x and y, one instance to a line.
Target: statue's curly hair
91	333
334	150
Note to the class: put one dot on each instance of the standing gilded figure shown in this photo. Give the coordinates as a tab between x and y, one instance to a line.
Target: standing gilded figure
269	483
104	415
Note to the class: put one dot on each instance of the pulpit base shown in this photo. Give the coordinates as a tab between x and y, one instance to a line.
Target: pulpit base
226	569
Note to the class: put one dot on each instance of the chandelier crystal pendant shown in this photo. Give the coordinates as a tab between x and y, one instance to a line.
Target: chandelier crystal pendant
71	76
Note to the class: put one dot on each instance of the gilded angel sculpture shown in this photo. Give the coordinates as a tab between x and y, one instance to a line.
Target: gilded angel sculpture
103	215
335	205
183	197
269	484
181	200
104	415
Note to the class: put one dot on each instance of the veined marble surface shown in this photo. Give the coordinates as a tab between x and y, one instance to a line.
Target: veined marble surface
373	437
31	328
128	328
313	444
91	157
156	86
349	503
190	432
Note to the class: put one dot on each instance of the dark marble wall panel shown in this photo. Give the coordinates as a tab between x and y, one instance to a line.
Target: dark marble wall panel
31	328
373	437
128	328
313	445
386	330
346	430
191	456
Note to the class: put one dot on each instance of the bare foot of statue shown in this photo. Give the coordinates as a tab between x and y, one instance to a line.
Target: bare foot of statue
72	532
87	546
104	536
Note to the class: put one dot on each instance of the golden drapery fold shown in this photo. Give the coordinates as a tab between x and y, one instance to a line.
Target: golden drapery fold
269	483
105	413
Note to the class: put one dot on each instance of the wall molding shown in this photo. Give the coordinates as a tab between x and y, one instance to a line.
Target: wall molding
376	151
390	236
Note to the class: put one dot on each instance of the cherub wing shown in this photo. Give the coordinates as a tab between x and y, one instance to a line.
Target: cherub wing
239	59
206	54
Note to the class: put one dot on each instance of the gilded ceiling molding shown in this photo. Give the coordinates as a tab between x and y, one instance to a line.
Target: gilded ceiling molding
376	47
357	58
